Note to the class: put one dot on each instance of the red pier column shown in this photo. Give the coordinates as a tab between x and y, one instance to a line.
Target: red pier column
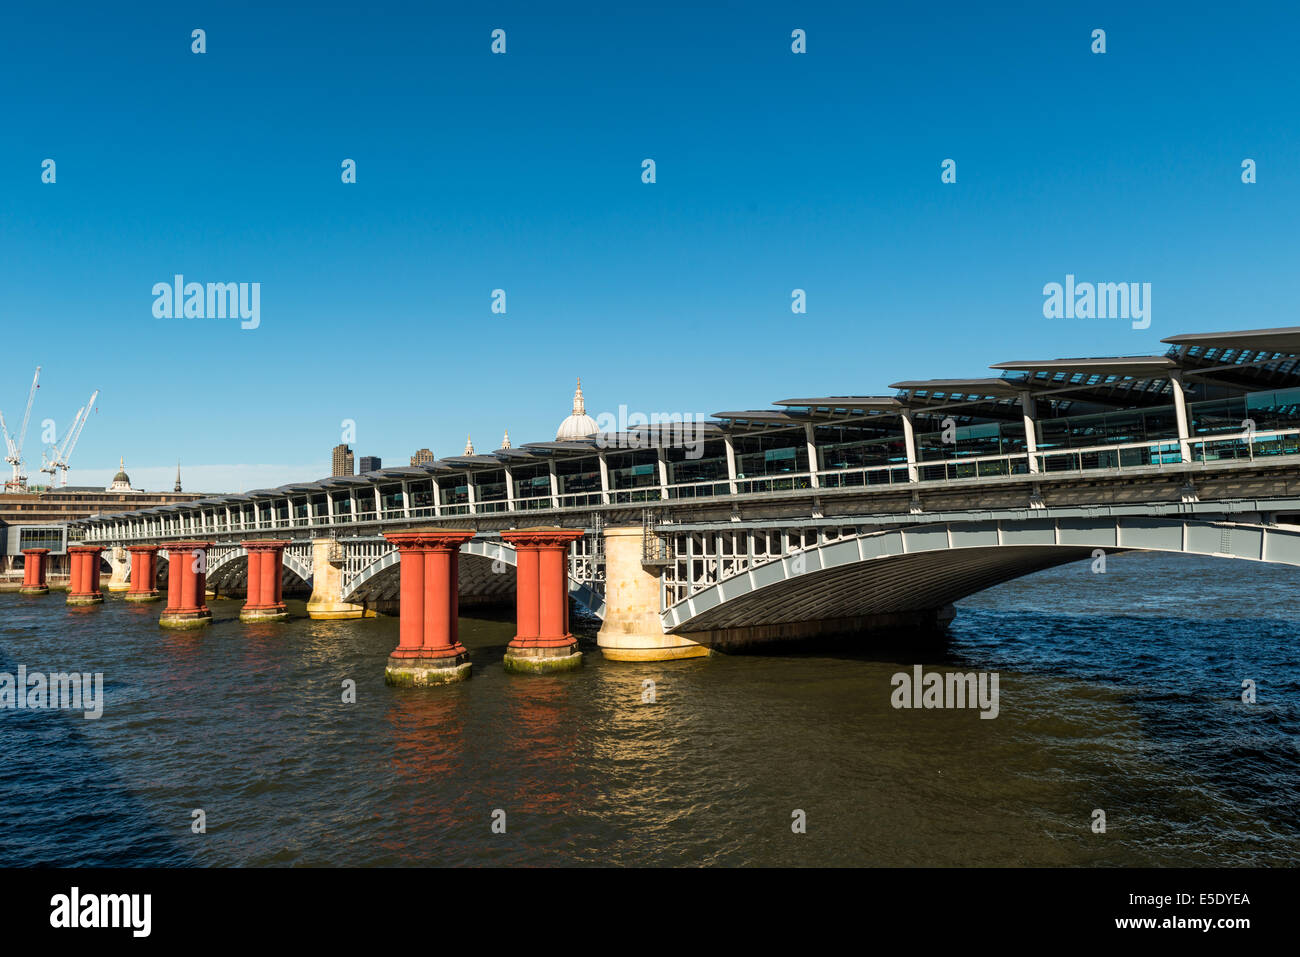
428	649
187	578
144	573
265	597
543	643
83	587
34	572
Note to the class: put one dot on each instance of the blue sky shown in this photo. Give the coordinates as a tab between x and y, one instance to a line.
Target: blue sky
475	171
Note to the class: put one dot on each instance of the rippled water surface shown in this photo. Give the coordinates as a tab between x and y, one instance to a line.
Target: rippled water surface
1119	692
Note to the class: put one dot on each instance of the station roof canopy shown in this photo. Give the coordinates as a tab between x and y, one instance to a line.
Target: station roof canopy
472	460
670	429
400	472
665	434
1284	340
1244	361
760	417
845	403
585	446
346	480
928	391
1058	370
514	453
1109	381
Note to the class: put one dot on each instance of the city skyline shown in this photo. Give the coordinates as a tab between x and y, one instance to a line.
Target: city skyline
775	172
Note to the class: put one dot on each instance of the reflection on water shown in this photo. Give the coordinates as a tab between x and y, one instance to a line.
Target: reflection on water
1118	691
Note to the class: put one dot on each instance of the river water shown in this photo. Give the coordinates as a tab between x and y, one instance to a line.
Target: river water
1119	692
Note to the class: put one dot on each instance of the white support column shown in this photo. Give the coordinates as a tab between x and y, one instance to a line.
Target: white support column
813	464
510	487
663	473
1029	411
406	499
731	462
469	493
604	477
555	485
909	443
1180	411
437	495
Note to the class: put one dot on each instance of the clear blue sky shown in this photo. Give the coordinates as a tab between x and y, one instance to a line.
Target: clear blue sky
775	171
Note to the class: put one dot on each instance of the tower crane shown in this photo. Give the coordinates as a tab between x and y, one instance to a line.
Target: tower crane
15	449
62	452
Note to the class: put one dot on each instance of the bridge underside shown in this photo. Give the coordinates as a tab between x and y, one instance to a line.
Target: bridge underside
912	591
909	577
231	579
481	582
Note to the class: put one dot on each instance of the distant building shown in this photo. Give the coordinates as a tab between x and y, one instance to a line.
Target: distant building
422	457
342	460
121	481
370	463
579	425
38	518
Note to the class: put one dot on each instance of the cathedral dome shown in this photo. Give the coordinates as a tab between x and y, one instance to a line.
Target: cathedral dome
121	481
579	425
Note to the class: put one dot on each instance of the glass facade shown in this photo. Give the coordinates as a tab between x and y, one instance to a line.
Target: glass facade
703	475
532	486
579	481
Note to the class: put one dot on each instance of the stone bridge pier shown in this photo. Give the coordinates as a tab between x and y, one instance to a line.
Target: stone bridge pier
633	628
326	602
119	561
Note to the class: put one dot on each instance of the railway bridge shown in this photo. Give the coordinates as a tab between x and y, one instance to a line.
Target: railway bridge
819	515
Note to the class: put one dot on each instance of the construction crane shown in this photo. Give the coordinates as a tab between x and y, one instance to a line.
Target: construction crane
59	460
15	449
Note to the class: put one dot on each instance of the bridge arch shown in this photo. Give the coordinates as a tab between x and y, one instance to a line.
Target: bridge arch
924	567
228	566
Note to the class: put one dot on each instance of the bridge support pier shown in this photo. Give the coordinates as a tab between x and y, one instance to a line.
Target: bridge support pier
187	564
34	571
117	558
144	573
543	643
83	581
265	582
633	630
325	603
429	651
